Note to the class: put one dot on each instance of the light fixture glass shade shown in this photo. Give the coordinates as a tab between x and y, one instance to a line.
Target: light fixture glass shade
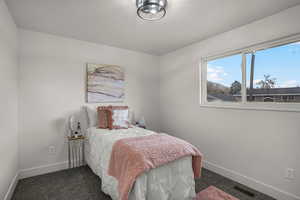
151	9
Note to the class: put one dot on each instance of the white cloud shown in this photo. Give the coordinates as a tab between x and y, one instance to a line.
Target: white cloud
296	43
295	48
215	73
290	83
256	81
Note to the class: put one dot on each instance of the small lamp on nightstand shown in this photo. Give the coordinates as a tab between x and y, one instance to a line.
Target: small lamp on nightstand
74	127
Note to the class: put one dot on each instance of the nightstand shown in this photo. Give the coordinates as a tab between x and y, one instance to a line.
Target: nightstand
76	151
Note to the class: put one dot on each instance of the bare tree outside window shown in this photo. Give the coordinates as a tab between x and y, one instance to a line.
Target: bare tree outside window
267	83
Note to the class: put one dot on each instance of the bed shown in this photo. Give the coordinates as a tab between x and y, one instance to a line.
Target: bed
173	181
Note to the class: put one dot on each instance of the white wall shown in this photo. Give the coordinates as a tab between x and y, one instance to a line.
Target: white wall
237	143
8	100
52	85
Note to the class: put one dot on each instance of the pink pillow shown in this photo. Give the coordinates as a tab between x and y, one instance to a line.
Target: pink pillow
103	117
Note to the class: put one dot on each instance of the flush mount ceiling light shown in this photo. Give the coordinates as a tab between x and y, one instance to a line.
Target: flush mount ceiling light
151	9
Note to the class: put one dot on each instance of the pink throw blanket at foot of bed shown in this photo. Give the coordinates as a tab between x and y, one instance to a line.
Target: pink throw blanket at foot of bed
213	193
131	157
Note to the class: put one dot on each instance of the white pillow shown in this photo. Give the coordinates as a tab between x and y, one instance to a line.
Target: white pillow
92	116
120	118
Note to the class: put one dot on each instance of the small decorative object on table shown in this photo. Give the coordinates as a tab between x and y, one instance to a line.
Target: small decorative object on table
77	133
141	123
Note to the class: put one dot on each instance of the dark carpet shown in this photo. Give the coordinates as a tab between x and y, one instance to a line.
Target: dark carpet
82	184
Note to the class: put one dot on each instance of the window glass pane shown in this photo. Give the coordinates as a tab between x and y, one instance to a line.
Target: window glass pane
276	74
224	78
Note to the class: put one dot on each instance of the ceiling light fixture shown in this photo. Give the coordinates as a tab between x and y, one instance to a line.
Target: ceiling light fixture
151	9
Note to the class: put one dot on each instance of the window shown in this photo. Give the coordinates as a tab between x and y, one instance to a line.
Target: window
224	77
268	73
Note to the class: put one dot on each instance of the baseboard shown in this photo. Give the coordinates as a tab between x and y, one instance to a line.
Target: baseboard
44	169
253	183
12	187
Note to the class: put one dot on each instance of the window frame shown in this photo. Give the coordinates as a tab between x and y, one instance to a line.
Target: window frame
244	104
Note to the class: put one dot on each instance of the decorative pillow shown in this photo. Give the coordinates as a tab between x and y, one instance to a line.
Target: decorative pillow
103	117
119	117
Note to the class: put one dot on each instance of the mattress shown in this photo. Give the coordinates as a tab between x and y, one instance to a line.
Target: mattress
174	181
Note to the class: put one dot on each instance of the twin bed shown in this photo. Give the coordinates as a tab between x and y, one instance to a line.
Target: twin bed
173	181
138	164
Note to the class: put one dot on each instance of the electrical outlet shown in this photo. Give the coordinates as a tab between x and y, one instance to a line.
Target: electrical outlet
290	173
51	150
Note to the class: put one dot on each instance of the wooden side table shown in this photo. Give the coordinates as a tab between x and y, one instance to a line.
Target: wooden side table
76	151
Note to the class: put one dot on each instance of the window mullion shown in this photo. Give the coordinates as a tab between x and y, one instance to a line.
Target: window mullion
203	81
244	81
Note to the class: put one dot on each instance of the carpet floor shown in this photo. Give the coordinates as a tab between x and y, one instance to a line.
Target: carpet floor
82	184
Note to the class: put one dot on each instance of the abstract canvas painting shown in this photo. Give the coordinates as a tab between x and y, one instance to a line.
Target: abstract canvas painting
105	83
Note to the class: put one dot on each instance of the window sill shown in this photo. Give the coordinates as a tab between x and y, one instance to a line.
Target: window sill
279	107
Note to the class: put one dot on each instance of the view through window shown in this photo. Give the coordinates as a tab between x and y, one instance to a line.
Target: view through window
224	78
272	75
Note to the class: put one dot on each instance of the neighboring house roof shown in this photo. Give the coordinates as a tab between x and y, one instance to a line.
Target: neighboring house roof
294	91
277	91
273	91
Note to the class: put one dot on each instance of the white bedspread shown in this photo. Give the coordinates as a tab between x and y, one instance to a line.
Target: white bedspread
174	181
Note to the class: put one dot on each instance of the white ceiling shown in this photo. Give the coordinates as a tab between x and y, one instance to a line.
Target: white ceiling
115	23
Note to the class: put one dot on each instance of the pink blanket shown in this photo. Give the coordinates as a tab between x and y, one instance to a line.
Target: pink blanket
132	156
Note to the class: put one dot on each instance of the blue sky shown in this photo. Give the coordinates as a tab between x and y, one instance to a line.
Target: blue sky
282	63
